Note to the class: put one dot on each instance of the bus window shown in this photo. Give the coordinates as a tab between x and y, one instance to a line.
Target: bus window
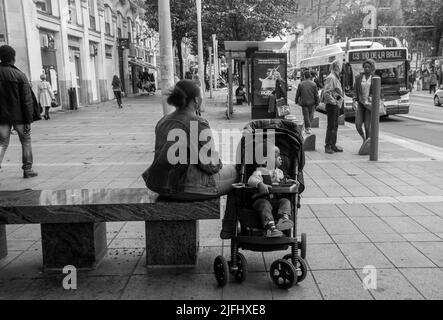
394	75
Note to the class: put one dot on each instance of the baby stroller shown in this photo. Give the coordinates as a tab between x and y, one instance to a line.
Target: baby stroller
292	268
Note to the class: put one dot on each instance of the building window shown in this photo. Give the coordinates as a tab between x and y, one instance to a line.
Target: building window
119	32
92	23
73	12
108	51
44	6
108	21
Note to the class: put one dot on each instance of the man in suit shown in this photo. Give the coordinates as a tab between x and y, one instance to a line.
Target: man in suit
362	99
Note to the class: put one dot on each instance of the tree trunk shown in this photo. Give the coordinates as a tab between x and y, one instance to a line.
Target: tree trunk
437	40
180	57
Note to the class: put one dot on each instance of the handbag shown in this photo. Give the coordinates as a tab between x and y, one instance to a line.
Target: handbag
382	109
54	104
282	108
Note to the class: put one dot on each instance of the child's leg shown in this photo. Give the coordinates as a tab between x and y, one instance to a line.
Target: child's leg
264	208
284	215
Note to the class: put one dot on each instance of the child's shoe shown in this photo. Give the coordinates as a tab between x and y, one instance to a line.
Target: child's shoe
285	223
272	232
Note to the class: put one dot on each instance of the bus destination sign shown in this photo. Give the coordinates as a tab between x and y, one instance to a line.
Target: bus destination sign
378	55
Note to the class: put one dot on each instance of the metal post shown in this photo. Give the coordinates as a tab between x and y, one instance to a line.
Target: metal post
214	45
166	56
210	72
201	67
375	117
230	87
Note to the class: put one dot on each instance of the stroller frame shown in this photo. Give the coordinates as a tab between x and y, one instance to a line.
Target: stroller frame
285	272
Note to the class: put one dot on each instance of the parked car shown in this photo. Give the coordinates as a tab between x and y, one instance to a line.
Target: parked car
438	97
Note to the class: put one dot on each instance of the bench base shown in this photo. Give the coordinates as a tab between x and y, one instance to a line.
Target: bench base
309	143
171	242
3	243
82	245
315	123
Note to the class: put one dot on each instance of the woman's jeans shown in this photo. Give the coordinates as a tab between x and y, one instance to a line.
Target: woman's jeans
118	97
363	116
224	179
331	132
25	139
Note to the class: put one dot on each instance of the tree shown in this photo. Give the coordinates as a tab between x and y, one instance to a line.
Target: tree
425	13
183	22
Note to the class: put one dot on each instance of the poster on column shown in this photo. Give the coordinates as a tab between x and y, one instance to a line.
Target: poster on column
266	68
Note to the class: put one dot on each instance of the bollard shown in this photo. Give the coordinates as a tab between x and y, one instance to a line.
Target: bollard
375	117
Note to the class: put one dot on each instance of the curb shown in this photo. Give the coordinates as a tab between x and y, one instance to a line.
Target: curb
419	119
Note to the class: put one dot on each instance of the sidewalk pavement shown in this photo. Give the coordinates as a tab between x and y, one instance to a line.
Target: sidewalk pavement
388	214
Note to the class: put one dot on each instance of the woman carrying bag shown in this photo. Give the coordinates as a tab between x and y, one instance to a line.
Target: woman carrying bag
45	95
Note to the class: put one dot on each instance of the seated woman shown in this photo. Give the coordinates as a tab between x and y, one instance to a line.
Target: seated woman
240	94
179	170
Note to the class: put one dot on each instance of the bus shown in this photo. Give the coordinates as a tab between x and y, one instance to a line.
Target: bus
391	62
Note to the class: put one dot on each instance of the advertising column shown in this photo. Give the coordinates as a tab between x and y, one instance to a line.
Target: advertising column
267	67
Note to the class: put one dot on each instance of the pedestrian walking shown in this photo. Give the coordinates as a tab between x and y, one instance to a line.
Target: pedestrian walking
307	97
433	81
45	95
333	98
362	99
411	80
16	109
117	88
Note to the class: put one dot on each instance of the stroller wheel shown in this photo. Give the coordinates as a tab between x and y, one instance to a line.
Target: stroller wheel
221	271
283	273
301	269
241	273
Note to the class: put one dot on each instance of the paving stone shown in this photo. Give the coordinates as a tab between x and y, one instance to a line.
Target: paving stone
431	223
118	262
361	255
88	288
392	285
404	255
310	227
412	209
356	210
436	208
372	225
20	245
326	211
256	287
128	243
195	287
27	265
385	210
339	226
306	290
27	232
404	225
341	285
427	281
326	257
432	250
350	238
10	257
421	237
385	237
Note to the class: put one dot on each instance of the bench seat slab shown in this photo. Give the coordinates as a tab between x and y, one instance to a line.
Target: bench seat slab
3	243
171	242
82	245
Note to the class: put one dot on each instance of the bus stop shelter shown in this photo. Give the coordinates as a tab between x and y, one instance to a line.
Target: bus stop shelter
239	57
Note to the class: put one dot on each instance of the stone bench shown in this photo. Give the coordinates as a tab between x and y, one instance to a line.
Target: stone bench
73	223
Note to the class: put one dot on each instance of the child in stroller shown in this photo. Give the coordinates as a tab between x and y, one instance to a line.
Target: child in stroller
241	221
263	178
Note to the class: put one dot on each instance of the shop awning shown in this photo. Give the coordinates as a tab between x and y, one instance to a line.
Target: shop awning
143	64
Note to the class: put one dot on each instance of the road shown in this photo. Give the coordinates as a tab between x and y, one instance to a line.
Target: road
422	107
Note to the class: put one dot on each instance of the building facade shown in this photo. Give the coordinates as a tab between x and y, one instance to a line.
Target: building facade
79	44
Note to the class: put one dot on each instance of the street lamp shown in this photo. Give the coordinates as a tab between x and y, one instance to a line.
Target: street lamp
201	74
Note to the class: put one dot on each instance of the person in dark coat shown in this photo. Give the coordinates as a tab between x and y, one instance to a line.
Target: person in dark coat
117	88
16	108
307	97
362	99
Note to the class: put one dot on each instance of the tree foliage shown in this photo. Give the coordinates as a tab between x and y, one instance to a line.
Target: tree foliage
425	13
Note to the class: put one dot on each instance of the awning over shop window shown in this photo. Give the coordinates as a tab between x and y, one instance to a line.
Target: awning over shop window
143	64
